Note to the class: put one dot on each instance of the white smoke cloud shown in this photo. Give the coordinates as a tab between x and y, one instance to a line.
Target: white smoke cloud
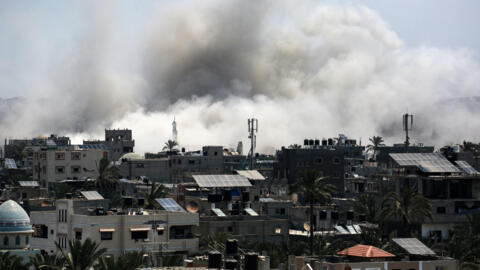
307	71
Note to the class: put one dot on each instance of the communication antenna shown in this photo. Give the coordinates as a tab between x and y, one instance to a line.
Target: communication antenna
252	129
407	126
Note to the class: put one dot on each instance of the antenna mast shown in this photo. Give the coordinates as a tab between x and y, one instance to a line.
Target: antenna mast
407	126
252	129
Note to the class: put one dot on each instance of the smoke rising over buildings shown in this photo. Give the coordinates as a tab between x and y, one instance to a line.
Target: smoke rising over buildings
312	70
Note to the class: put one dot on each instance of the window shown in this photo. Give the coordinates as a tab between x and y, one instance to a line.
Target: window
140	165
106	235
230	229
441	210
17	241
336	160
191	162
75	169
139	235
59	155
278	230
78	235
5	241
44	155
44	169
440	268
160	230
282	211
27	240
60	169
76	155
40	231
318	161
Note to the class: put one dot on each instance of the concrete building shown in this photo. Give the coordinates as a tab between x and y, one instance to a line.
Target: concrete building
118	142
125	230
52	164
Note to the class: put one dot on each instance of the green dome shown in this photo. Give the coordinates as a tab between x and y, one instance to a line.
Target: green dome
13	218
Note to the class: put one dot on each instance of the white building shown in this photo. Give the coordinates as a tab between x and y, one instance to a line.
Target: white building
151	231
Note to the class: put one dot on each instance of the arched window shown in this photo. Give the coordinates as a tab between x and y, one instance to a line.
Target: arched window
5	241
17	240
27	240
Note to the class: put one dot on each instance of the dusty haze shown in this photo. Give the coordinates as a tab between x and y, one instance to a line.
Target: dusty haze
304	71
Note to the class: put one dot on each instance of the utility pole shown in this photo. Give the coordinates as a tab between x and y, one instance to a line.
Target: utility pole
252	129
407	126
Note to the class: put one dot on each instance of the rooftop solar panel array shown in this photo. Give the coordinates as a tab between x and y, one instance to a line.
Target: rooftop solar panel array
266	200
91	195
28	183
218	212
10	163
170	205
251	174
464	166
341	230
427	162
222	180
251	212
413	246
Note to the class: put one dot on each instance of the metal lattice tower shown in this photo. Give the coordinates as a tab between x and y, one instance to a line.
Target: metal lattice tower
407	126
252	129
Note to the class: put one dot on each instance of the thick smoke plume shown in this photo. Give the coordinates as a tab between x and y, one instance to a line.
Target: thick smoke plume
303	71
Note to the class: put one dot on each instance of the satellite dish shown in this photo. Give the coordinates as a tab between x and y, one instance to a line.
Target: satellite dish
306	226
192	207
294	198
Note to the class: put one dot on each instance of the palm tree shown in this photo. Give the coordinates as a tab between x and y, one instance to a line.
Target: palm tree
107	176
170	145
294	146
315	188
11	262
464	241
156	191
376	142
43	261
408	205
366	204
82	256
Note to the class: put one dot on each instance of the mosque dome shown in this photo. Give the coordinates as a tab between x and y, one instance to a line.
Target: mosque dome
131	156
13	218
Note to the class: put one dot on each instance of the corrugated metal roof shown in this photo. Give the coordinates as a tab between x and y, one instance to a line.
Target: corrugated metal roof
365	251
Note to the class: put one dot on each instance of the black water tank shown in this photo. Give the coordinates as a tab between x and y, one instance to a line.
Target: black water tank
305	142
317	142
214	198
127	202
231	247
362	218
251	261
324	142
214	260
227	195
256	198
68	196
323	215
334	215
350	215
330	141
245	196
231	264
235	209
310	142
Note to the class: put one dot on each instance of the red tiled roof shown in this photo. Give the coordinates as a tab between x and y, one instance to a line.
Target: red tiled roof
365	252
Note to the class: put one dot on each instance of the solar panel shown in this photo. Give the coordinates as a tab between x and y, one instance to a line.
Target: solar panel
357	228
351	230
10	163
91	195
28	183
251	212
427	162
170	205
218	212
413	246
251	174
266	200
222	180
341	230
464	166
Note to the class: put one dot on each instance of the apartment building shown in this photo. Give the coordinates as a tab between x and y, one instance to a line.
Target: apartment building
153	231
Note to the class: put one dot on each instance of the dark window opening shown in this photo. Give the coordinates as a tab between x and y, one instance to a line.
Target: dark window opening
78	235
106	236
140	235
441	210
40	231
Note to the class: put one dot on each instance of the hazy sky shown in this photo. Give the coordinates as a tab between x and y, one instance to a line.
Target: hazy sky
304	68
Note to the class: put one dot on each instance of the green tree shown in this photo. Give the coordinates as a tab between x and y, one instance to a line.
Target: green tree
108	176
44	261
408	205
170	145
376	141
11	262
82	256
464	241
314	187
156	191
366	204
294	146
